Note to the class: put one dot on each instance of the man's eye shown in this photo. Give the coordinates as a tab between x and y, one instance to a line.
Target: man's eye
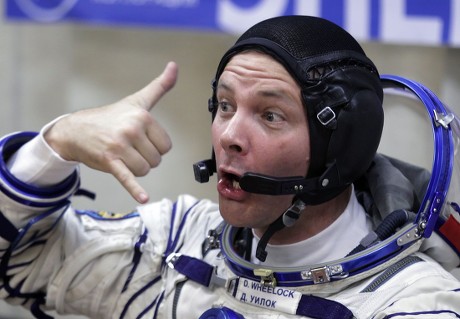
224	107
272	117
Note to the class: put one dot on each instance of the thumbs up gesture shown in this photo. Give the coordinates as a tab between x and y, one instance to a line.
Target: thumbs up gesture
122	138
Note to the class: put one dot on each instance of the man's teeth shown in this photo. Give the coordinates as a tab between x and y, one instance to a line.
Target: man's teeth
236	184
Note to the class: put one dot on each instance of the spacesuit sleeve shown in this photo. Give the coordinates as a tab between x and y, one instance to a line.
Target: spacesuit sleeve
54	257
37	163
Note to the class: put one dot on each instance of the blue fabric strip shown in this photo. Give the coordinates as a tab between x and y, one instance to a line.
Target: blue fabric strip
172	243
423	314
195	269
137	294
7	230
136	258
26	194
160	300
4	263
321	308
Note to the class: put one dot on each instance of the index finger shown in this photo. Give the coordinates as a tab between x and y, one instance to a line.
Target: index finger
128	181
153	92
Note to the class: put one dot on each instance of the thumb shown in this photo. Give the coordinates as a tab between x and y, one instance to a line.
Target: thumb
152	93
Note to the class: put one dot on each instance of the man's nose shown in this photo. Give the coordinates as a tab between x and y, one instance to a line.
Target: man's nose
234	137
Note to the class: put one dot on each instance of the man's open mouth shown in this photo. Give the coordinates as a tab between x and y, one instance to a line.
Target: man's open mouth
229	186
232	180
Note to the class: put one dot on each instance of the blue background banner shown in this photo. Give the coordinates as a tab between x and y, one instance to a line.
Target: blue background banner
423	22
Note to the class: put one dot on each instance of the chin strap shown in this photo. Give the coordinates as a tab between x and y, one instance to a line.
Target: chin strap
287	219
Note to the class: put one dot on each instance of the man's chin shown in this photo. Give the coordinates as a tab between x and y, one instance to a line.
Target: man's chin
234	213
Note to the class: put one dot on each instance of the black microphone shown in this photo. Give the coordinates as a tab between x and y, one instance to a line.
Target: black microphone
259	183
203	169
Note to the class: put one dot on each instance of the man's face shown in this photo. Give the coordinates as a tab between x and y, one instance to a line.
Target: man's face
260	127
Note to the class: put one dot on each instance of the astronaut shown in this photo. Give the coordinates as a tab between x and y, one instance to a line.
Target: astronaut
311	222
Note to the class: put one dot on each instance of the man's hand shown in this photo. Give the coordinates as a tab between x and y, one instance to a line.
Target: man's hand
121	138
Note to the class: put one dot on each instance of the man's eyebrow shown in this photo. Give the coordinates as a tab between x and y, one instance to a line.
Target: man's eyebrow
263	93
273	93
223	86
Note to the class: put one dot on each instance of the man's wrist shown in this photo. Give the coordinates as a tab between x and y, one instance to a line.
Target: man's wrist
38	164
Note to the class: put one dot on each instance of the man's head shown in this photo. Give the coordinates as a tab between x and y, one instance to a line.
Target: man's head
340	91
259	125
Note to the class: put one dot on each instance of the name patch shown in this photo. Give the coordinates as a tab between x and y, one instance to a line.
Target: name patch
277	298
